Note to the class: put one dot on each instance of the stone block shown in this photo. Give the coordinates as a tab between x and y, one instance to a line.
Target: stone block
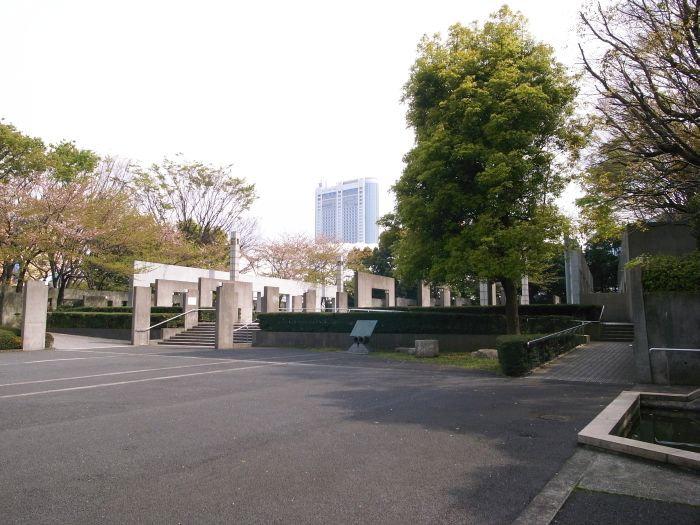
297	303
310	301
94	301
427	348
486	353
34	309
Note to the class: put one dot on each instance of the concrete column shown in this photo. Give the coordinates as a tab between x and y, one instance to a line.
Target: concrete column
35	302
141	315
445	297
271	300
525	290
310	301
423	293
190	301
483	293
298	303
640	348
288	302
258	301
234	257
206	287
226	314
341	301
339	277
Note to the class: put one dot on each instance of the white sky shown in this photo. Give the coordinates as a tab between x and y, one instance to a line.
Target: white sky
290	93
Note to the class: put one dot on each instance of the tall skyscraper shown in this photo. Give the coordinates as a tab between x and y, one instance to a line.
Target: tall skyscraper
348	212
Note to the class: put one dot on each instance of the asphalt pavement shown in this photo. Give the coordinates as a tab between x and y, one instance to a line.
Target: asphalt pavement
155	435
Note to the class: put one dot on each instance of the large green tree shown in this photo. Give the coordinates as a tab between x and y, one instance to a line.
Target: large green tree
492	112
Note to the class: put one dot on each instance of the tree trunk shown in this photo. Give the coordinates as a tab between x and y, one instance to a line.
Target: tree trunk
61	292
20	278
511	292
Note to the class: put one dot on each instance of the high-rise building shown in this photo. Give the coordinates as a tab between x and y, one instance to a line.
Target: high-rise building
348	212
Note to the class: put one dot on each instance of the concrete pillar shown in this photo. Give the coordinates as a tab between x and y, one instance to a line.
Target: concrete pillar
339	277
423	293
190	301
287	302
445	297
298	303
640	348
525	290
483	293
310	301
341	301
234	257
271	300
141	315
35	302
226	315
258	301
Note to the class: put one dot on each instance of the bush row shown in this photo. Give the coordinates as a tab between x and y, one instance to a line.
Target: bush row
118	309
11	338
407	322
669	273
516	359
584	312
113	320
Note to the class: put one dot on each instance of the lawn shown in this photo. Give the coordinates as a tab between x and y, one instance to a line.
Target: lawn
456	359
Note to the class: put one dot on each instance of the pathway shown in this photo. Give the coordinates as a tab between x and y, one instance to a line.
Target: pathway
598	362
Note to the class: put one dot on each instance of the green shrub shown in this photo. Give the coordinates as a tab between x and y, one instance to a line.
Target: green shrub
669	273
584	312
118	309
111	320
404	322
516	359
9	339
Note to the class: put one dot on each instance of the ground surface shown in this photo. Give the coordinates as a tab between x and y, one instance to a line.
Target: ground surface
597	362
125	435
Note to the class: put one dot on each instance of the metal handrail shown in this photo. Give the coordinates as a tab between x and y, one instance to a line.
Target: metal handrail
600	317
174	317
555	334
246	326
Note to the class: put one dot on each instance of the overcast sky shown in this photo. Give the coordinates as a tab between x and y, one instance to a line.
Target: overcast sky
289	92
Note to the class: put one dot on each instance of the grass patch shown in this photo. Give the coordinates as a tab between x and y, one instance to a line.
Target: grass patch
456	359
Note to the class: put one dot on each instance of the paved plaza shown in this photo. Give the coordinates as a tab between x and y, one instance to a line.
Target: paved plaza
125	435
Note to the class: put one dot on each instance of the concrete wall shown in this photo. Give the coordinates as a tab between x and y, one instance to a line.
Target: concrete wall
366	282
616	305
310	303
207	287
448	342
93	297
244	301
341	301
672	319
226	315
146	273
297	303
166	288
423	296
10	307
578	277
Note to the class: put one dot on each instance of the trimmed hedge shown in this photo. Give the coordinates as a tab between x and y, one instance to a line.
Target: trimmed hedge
118	309
584	312
516	359
9	339
669	273
112	320
406	322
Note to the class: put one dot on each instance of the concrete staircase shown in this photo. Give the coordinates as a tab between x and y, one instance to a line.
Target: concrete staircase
622	332
204	335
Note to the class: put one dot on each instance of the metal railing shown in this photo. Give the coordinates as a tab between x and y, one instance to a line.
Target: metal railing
174	317
572	330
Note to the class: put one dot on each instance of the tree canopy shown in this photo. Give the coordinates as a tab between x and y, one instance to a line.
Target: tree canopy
647	160
492	112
